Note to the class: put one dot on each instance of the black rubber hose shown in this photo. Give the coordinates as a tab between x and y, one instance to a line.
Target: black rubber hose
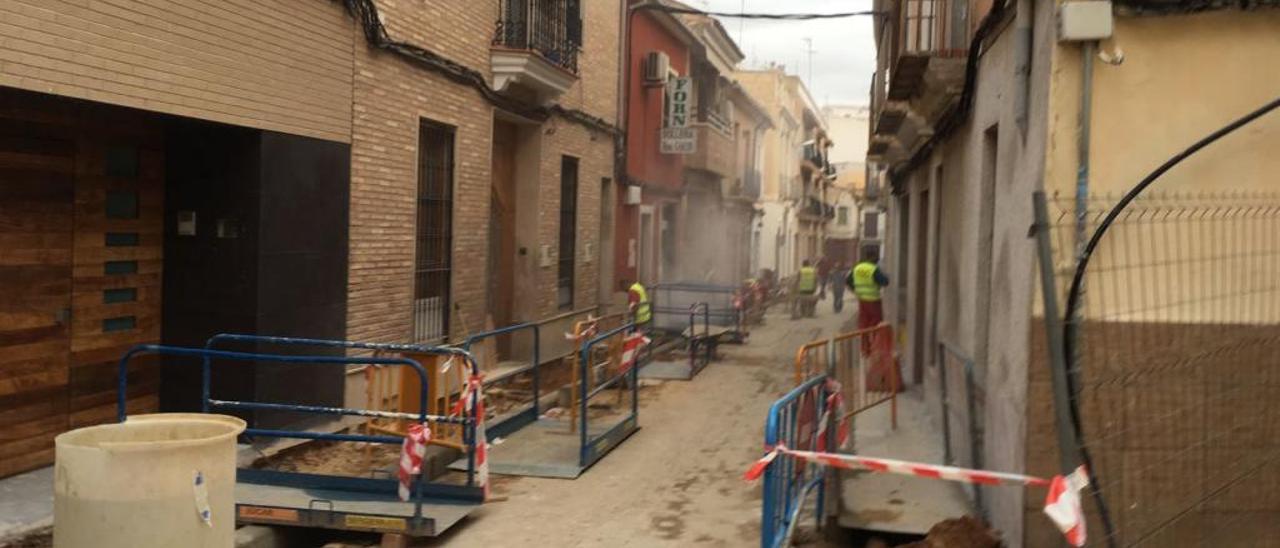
1069	330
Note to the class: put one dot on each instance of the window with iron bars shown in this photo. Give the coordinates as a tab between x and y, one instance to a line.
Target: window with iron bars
568	231
551	28
934	26
432	260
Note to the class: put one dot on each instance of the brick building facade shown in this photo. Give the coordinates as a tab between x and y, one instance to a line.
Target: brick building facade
274	168
393	95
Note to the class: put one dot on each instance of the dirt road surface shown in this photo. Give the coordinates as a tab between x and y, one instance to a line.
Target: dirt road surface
676	482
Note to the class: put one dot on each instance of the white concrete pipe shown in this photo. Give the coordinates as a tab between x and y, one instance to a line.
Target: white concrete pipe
154	480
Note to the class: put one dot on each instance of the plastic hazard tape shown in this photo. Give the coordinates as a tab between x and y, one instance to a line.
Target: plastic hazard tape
593	326
1062	504
472	399
631	350
412	451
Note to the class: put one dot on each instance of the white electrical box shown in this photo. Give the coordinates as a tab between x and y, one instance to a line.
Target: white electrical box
186	223
588	253
1084	20
545	257
633	195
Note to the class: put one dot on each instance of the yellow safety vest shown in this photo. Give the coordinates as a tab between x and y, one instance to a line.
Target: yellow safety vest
808	282
643	313
864	282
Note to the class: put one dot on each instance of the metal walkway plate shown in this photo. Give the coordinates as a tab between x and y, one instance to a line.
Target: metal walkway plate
893	503
545	448
347	510
677	370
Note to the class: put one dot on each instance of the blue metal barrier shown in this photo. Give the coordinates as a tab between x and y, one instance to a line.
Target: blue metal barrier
421	489
793	422
701	347
527	416
721	300
207	403
594	447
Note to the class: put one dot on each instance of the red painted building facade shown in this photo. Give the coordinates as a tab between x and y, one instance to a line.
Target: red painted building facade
646	232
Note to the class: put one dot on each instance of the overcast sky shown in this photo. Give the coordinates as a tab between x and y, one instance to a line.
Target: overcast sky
844	51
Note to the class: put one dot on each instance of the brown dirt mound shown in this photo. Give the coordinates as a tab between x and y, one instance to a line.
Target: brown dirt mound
334	458
965	532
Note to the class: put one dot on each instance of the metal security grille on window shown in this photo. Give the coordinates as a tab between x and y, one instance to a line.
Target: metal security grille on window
870	225
551	28
435	233
568	231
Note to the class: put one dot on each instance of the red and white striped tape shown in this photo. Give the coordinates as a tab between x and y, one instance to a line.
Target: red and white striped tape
631	350
473	397
1063	507
412	451
1062	504
835	404
591	329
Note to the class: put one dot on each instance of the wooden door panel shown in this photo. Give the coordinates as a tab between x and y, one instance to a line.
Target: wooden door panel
103	328
61	163
37	161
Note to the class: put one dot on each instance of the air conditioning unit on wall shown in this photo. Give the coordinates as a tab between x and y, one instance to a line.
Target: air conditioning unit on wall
656	66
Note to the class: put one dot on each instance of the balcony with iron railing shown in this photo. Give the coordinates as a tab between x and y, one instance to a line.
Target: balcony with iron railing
813	208
751	185
812	157
536	45
922	76
714	153
745	187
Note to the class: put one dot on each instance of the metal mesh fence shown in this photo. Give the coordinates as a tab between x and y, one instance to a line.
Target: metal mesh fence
1177	376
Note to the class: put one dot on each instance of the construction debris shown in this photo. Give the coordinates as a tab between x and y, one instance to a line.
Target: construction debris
964	532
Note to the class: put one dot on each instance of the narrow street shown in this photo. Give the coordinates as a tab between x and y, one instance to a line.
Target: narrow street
677	481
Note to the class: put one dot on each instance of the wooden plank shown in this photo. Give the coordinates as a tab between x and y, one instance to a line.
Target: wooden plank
23	352
32	404
25	160
36	185
96	284
33	428
27	367
30	335
94	271
90	311
103	403
102	414
50	377
93	257
28	461
148	330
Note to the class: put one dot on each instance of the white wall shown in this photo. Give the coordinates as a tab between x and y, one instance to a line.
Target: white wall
847	125
777	236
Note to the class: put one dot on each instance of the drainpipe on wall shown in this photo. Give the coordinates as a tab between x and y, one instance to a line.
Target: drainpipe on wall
1022	45
1082	144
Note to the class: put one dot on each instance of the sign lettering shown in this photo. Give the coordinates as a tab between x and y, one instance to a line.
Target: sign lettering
679	92
267	513
679	140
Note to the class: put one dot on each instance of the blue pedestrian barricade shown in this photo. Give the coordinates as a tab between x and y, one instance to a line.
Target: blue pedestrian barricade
528	411
608	351
328	501
671	301
793	421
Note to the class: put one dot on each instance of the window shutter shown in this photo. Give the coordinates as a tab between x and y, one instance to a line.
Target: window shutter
573	21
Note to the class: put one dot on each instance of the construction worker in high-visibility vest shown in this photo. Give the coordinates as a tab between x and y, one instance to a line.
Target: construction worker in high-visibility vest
806	286
638	305
866	279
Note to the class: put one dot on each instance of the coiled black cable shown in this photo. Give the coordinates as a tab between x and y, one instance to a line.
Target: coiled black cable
1070	329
